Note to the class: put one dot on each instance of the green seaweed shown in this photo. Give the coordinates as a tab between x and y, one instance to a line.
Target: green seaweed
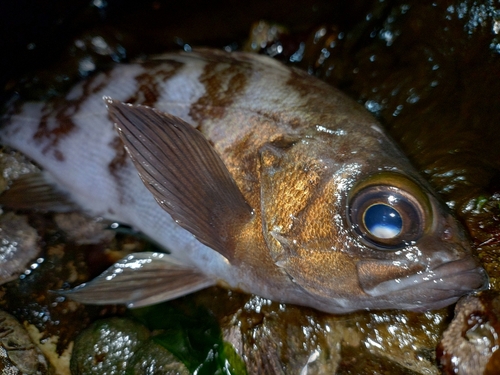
480	203
193	335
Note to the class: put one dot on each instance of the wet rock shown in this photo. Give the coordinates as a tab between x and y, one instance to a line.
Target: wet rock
82	229
18	246
18	354
266	37
52	320
361	361
404	339
13	165
280	339
275	338
107	346
153	359
121	345
483	218
18	239
470	343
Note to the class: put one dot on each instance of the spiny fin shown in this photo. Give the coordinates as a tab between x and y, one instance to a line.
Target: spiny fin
35	191
184	173
140	279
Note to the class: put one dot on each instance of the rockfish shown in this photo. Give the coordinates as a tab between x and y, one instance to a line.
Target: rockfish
251	175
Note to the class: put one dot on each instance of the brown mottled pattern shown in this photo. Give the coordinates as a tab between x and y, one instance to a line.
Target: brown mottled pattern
293	188
245	166
280	118
313	101
61	111
115	166
246	163
223	82
65	126
299	80
148	83
147	93
296	197
316	212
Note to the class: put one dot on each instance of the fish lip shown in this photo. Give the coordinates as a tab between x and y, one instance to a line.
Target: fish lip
449	272
454	278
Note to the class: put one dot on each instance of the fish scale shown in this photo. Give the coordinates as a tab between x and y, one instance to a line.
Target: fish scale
254	176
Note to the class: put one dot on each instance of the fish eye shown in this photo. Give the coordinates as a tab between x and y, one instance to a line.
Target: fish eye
389	213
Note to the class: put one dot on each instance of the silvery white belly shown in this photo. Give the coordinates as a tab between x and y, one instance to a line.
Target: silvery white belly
105	183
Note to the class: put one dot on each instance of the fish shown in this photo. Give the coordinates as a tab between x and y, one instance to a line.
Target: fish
251	175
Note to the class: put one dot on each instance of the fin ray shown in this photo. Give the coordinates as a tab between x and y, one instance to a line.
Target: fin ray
36	191
183	172
141	279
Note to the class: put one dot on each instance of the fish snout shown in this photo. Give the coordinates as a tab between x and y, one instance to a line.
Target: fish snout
453	261
448	281
465	274
446	243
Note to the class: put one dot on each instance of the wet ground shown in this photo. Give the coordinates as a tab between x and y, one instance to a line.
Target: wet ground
428	70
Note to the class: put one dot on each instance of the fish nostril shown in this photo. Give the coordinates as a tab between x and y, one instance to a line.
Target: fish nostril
447	234
455	237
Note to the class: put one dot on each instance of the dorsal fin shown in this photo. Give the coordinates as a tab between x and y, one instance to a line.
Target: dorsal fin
184	173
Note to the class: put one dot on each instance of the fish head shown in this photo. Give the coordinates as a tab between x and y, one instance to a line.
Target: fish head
361	231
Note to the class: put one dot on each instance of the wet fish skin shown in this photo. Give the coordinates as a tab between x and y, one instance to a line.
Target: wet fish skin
298	151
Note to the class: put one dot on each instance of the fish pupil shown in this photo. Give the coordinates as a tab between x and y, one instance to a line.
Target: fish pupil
383	221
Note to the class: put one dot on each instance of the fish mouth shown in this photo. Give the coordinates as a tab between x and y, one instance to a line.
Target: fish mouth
465	278
446	282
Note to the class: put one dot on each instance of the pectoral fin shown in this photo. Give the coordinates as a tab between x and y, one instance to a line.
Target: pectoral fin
184	173
141	279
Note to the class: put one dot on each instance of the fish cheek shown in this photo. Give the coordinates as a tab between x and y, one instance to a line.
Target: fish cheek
289	184
298	204
324	274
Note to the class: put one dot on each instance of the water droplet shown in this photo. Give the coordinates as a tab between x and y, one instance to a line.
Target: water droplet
373	106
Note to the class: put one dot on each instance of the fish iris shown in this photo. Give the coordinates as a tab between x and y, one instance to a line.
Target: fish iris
383	221
389	211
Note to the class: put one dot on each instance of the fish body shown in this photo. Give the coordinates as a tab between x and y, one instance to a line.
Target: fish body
255	176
